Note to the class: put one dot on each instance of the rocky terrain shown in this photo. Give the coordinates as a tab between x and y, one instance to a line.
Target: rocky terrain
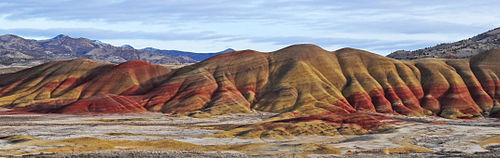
158	135
17	51
313	91
461	49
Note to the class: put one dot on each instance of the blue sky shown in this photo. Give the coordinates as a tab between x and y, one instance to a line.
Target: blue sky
263	25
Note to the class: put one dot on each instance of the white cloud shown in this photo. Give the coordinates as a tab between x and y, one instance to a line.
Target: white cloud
191	25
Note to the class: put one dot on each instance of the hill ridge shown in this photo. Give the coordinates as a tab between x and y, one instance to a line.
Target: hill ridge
17	51
462	49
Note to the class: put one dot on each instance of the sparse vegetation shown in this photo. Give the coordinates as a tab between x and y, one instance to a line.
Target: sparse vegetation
461	49
185	136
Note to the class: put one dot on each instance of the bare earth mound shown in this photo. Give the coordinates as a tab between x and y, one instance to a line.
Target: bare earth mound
313	91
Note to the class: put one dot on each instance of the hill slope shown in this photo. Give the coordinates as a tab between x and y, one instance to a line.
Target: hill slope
461	49
53	86
17	51
309	87
309	80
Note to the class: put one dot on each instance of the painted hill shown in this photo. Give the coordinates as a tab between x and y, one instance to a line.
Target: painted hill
309	80
195	56
82	84
461	49
17	51
332	92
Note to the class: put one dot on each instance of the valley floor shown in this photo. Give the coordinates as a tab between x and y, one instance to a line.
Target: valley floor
158	135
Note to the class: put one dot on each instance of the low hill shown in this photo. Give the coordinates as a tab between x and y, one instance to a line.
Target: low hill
55	86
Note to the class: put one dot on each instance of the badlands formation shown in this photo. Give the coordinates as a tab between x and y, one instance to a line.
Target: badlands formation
310	91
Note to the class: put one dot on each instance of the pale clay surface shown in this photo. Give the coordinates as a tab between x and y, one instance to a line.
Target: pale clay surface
463	136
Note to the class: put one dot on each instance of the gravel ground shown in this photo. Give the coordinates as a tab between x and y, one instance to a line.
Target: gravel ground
454	138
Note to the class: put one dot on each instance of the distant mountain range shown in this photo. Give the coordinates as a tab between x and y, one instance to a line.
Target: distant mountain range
195	56
17	51
461	49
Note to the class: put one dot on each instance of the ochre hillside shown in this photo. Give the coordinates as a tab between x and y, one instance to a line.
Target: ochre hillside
307	85
307	80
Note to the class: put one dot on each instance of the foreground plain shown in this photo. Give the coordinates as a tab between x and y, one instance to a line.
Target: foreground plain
155	134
